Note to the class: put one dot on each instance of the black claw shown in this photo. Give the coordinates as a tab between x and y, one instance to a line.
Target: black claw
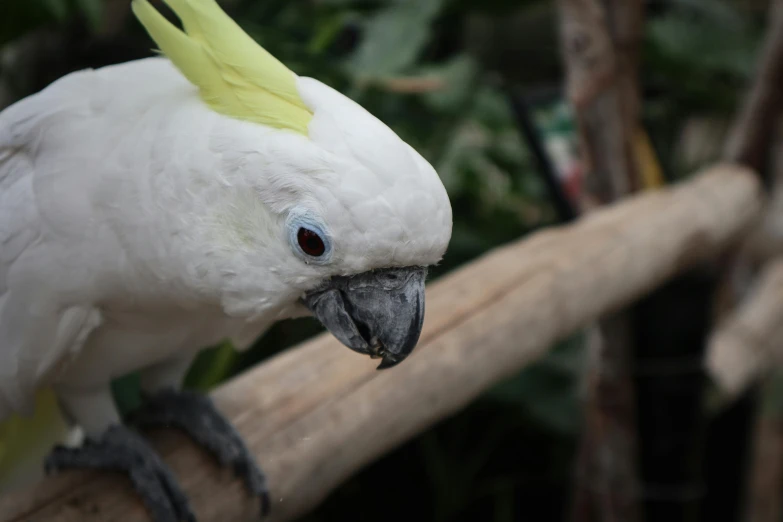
266	504
196	415
120	449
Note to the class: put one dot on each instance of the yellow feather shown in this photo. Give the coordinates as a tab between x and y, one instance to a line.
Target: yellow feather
25	441
235	76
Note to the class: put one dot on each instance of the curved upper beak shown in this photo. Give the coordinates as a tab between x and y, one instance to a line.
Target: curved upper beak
378	313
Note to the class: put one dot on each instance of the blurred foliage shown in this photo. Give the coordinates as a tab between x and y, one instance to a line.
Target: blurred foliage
430	69
697	58
21	17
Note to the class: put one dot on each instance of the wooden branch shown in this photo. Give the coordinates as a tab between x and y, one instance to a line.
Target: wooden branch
750	139
751	338
762	497
317	413
750	142
736	342
625	23
600	42
607	485
599	97
749	330
765	242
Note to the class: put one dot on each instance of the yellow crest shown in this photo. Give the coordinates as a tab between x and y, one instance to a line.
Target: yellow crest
235	76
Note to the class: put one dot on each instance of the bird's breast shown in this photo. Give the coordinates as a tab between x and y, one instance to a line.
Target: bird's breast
126	343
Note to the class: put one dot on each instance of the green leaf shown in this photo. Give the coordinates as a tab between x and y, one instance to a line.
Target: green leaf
92	10
325	33
393	39
703	45
127	393
716	12
58	9
212	366
458	76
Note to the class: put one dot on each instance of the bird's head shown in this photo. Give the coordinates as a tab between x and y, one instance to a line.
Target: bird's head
352	214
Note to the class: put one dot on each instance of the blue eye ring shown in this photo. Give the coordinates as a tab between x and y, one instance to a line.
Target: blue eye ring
304	225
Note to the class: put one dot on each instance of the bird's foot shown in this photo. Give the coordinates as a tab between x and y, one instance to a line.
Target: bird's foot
196	415
121	449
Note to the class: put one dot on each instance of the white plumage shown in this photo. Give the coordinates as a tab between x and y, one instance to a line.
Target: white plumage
137	226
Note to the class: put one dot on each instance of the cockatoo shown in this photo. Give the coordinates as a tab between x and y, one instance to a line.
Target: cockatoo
152	208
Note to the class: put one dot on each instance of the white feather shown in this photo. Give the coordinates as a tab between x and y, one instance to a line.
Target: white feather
137	226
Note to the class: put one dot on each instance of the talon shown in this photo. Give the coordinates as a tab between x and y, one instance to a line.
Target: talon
266	504
120	449
197	416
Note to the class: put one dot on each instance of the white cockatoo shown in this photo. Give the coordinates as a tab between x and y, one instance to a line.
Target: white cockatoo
152	208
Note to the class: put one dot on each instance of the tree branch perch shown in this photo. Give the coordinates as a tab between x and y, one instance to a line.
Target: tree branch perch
316	414
749	341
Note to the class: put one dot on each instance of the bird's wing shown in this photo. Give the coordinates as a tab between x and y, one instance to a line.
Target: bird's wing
36	327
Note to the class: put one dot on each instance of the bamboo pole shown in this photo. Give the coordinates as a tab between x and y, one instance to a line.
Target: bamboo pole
315	414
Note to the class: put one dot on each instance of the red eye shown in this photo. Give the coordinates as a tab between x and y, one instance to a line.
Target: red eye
310	243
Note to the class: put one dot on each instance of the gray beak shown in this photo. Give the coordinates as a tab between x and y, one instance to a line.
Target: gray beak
377	313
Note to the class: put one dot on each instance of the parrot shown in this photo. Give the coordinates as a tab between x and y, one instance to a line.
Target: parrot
154	207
